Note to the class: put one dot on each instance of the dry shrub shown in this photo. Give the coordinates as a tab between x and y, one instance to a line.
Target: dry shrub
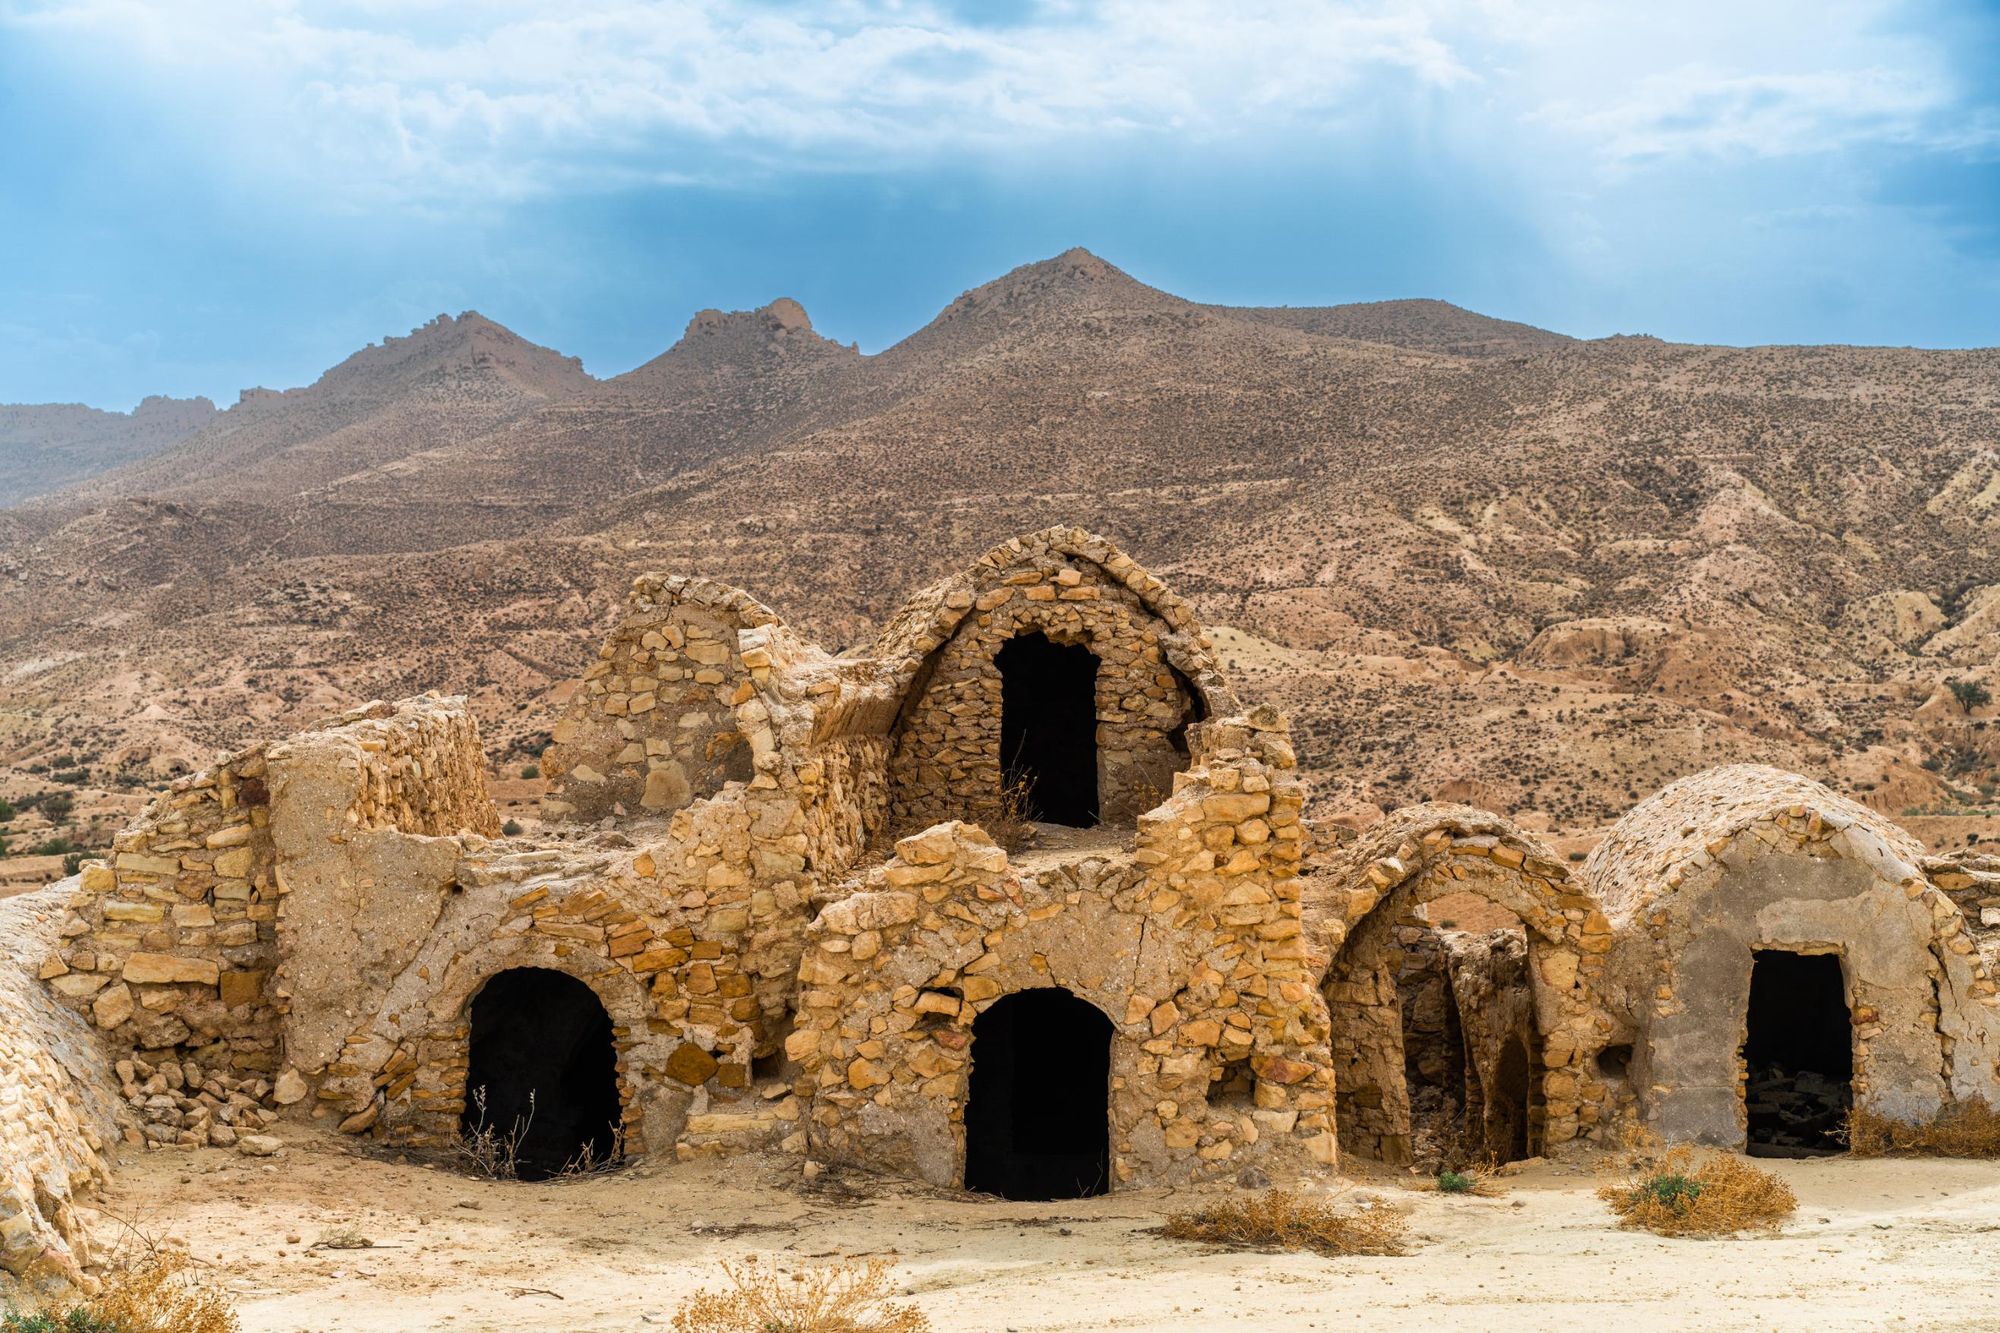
1720	1197
1012	823
166	1292
1281	1220
488	1150
1963	1129
847	1297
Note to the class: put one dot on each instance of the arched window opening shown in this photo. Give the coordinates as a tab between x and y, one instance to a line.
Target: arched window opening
1048	728
1037	1111
541	1085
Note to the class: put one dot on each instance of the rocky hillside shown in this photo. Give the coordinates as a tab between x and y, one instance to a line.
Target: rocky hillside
1473	559
45	447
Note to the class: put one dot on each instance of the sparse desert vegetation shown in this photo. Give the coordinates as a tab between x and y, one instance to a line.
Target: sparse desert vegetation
1706	1195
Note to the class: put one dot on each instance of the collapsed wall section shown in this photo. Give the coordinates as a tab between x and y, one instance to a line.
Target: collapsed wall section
652	725
169	947
1416	856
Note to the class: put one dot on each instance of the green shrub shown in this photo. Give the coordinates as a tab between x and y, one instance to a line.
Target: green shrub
1456	1182
511	827
1672	1191
1970	694
78	1320
532	771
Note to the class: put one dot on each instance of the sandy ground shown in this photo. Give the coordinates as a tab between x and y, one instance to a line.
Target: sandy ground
1875	1244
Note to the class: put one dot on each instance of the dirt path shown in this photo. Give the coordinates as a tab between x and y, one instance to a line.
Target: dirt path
1874	1245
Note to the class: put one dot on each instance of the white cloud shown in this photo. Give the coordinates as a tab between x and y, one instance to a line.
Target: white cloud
508	98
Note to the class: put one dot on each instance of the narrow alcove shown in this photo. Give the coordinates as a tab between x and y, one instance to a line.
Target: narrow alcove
1442	1084
1048	727
543	1071
1037	1115
1507	1104
1798	1050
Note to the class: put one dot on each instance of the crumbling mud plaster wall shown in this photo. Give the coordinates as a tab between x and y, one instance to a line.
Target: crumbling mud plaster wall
370	816
652	724
1724	863
1155	675
1417	855
1190	944
57	1104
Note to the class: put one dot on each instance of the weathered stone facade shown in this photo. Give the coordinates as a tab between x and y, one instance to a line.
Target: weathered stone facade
1716	867
1189	942
1417	855
1155	677
774	876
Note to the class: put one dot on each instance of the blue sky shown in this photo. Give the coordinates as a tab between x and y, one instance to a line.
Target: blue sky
204	195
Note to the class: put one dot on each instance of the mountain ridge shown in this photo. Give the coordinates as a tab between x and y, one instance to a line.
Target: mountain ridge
1472	559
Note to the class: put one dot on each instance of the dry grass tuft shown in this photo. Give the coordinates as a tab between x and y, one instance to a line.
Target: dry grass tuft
847	1297
1720	1197
166	1292
1962	1129
1012	824
1281	1220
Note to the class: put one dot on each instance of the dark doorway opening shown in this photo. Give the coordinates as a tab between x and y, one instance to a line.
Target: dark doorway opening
1048	727
1508	1102
1799	1049
544	1071
1037	1114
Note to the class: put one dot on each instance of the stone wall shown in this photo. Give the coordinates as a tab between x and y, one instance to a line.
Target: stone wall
169	948
1494	996
1190	944
652	724
1154	676
1424	853
687	925
58	1110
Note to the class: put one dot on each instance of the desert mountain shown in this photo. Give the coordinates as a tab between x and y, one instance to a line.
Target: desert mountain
45	447
454	378
1473	559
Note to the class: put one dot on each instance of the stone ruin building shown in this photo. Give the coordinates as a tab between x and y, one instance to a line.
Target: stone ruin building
1021	900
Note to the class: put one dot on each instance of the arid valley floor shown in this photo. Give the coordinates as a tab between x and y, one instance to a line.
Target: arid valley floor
1876	1244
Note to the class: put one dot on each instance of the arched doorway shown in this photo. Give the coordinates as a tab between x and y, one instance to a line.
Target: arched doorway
543	1070
1037	1113
1048	727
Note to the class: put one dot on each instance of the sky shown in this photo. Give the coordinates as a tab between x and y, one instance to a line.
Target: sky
200	196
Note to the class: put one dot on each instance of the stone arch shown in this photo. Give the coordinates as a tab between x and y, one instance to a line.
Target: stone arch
1037	1114
541	1073
1156	676
446	1043
1410	858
